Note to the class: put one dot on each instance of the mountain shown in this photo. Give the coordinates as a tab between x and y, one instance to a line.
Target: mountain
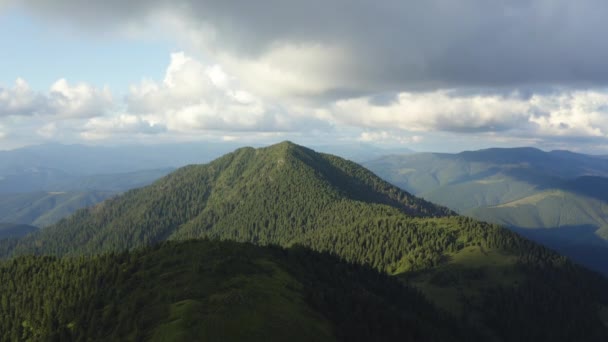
117	182
47	200
56	167
213	291
560	192
359	152
500	284
15	230
93	160
42	209
31	180
268	195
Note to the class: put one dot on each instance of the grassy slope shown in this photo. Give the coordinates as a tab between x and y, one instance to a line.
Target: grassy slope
465	274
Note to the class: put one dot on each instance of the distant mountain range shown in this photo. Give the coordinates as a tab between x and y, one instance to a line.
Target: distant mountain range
43	197
56	162
93	160
12	230
487	280
558	198
42	209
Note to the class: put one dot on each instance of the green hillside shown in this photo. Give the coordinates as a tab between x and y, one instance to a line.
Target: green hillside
289	195
269	195
521	188
550	208
212	291
42	209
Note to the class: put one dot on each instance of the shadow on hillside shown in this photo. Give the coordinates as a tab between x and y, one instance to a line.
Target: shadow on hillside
591	186
360	184
580	243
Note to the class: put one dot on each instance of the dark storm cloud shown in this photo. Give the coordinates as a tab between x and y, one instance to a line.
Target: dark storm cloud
398	45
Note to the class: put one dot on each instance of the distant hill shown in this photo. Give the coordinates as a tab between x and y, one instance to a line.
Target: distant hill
26	203
360	152
214	291
83	160
15	230
523	188
92	160
42	209
33	180
502	285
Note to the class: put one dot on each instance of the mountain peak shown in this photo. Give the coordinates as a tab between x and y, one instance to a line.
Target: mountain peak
284	146
289	185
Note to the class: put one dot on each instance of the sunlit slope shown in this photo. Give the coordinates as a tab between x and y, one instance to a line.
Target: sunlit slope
270	195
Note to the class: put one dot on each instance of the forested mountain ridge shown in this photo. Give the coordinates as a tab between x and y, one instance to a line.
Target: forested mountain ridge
213	291
268	195
506	287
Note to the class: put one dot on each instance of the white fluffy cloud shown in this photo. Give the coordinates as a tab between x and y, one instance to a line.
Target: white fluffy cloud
390	71
62	100
565	113
437	110
47	131
107	127
578	113
20	100
193	96
77	101
390	137
295	71
195	99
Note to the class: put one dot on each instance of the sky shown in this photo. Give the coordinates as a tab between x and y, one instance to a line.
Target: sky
436	75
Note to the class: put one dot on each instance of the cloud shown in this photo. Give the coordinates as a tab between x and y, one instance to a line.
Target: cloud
20	100
193	96
62	100
341	48
574	114
105	127
559	114
80	100
435	111
195	99
390	137
399	71
290	70
47	131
